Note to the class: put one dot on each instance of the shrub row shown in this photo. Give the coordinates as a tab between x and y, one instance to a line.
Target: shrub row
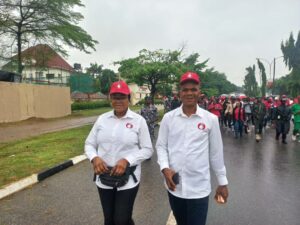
156	102
89	105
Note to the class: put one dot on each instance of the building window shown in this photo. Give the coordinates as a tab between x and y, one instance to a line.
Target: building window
39	75
50	76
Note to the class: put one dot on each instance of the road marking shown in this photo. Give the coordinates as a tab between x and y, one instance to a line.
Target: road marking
171	220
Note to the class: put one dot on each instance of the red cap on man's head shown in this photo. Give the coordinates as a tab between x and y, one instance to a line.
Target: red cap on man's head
190	76
119	87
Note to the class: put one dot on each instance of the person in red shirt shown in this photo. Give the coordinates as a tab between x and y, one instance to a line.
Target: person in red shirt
215	108
238	119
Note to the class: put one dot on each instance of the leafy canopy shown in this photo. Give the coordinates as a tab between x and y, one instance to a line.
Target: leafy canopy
53	22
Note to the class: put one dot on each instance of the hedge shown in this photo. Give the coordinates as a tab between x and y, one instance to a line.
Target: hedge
89	105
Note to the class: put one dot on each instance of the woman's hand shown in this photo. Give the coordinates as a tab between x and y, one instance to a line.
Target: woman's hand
99	166
119	168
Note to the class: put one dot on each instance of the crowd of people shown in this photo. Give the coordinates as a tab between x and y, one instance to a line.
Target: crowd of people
189	146
239	114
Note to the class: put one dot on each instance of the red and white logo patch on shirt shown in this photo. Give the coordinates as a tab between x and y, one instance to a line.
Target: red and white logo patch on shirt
129	125
201	126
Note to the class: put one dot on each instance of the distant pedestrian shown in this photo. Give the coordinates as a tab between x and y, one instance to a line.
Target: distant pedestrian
238	119
259	113
150	114
189	144
167	104
175	103
117	144
296	112
248	114
282	116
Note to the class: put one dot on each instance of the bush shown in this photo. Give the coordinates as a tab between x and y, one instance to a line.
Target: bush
156	102
90	105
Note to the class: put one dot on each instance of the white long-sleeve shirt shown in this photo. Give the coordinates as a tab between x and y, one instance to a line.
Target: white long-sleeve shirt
189	146
113	138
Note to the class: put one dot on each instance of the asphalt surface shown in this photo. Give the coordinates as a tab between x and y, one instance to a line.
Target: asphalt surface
264	189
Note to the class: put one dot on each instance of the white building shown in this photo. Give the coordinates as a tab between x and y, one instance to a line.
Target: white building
42	64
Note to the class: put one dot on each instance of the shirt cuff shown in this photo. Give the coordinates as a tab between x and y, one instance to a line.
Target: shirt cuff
222	180
91	156
130	160
164	165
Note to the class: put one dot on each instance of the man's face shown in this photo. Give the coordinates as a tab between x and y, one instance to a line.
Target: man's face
189	93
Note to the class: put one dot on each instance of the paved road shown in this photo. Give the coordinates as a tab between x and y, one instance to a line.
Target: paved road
264	189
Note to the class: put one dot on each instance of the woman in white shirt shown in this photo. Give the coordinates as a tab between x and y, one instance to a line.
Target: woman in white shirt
118	142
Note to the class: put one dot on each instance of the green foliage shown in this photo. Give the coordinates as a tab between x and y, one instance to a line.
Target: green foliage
263	77
90	105
22	158
290	84
156	102
214	83
94	69
291	52
250	83
151	68
106	78
49	22
165	89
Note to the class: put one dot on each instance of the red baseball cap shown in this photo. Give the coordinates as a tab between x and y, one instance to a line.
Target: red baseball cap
119	87
190	76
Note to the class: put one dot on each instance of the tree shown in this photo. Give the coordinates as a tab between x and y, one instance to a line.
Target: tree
214	83
152	68
250	83
94	69
263	77
27	22
106	78
291	55
291	52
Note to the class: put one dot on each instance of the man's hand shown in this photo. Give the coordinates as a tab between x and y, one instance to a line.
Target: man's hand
99	165
222	191
119	168
168	173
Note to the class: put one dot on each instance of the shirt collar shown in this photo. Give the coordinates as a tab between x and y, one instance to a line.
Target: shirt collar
129	114
179	112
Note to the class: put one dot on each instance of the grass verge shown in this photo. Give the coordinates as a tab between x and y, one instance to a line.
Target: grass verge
20	159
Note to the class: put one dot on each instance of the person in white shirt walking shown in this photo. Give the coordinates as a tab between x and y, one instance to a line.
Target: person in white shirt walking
117	144
188	144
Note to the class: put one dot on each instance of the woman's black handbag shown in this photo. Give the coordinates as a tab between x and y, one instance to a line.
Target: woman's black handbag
117	181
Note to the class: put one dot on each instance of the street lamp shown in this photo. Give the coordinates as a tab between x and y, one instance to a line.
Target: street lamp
270	65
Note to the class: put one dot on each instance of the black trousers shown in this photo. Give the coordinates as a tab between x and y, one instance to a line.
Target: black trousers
189	211
118	205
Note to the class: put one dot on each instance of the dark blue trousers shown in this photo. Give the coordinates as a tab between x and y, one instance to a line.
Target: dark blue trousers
189	211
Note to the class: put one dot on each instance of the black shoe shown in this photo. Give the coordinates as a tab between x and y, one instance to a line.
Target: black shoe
284	142
277	138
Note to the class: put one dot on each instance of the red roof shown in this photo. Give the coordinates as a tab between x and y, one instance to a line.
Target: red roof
43	55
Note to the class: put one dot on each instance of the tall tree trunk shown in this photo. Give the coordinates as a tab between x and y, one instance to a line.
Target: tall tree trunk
19	43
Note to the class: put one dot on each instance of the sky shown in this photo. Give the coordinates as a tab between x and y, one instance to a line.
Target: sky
230	33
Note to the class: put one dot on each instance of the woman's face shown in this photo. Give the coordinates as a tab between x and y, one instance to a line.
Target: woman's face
119	102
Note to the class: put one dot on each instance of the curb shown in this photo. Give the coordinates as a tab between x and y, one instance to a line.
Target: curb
35	178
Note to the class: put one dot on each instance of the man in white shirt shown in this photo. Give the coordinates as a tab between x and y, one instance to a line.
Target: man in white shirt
188	144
